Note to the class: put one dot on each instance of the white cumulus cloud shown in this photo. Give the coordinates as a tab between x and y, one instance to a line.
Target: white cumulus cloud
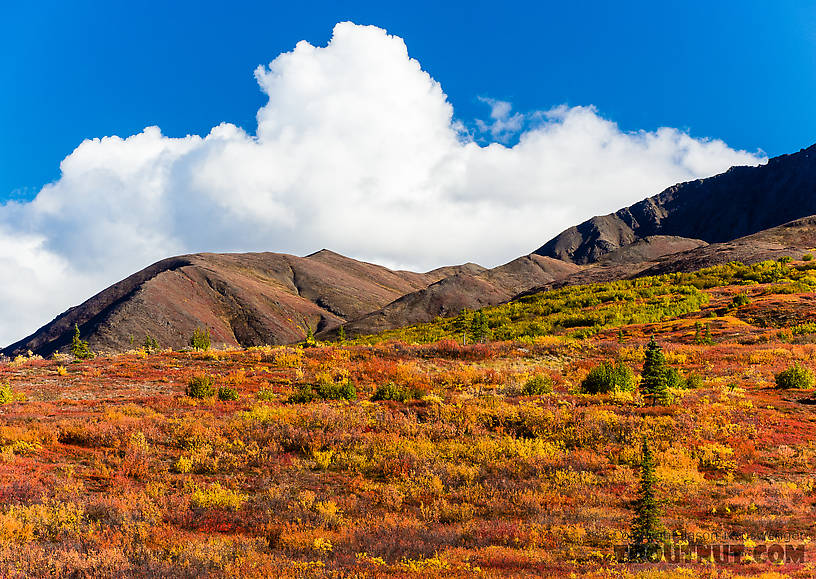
356	150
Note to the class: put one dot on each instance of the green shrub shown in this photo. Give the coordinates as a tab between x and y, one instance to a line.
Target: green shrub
324	391
801	329
607	377
266	394
693	380
398	392
200	339
807	257
797	376
740	300
537	385
227	393
673	378
201	386
79	348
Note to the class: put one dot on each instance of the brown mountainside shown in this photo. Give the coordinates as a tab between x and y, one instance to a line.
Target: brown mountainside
734	204
244	299
464	290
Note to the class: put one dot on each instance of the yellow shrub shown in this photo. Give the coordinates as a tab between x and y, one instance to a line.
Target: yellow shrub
435	563
218	497
675	466
716	456
769	356
322	545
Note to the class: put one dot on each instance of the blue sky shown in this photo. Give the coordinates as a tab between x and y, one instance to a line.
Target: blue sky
742	71
413	135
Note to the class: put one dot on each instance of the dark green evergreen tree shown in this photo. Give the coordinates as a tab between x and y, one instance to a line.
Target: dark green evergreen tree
654	378
150	344
647	533
479	327
462	324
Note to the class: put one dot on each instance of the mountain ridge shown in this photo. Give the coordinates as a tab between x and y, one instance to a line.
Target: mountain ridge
244	298
741	201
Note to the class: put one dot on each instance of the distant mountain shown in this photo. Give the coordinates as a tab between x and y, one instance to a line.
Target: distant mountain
745	214
739	202
792	239
244	299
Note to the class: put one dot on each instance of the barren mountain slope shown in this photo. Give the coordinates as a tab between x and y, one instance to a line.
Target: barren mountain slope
739	202
245	299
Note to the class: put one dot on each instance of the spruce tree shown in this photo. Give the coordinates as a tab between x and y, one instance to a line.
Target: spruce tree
478	327
654	378
150	344
463	322
310	338
200	339
79	347
647	531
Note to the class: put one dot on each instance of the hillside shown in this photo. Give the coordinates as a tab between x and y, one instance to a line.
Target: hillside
792	239
437	459
737	203
244	299
585	309
466	290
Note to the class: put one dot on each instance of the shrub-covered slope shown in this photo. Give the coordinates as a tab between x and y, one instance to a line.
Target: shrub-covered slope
437	459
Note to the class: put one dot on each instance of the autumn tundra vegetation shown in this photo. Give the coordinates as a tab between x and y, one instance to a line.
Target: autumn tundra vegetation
655	427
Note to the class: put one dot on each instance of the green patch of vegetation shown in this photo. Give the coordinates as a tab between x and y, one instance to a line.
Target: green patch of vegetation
150	345
583	311
79	347
397	392
796	376
227	393
200	340
267	394
201	386
608	377
802	329
692	381
537	385
576	311
740	300
324	391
